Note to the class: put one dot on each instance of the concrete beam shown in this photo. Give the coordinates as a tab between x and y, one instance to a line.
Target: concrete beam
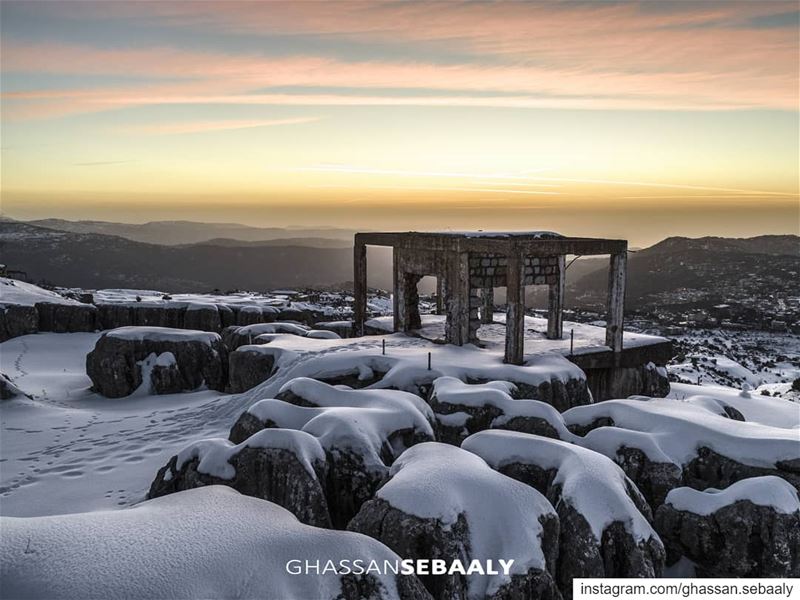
616	300
515	311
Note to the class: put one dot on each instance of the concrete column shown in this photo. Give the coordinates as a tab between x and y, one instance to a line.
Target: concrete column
487	308
555	303
457	299
359	288
616	300
515	310
398	302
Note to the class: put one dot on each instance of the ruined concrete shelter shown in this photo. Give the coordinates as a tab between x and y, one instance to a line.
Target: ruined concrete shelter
466	263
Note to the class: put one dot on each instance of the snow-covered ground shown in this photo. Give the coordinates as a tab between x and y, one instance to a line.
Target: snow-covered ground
767	362
587	338
68	450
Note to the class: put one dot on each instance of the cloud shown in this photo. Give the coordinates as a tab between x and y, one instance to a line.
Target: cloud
675	56
102	163
206	126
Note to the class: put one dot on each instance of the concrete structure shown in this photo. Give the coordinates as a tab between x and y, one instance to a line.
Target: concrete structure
472	262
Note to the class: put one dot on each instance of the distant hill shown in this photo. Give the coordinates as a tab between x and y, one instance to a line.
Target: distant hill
95	260
173	233
676	268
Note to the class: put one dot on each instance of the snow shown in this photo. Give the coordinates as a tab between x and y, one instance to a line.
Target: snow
679	429
587	338
260	328
214	454
405	364
594	485
69	450
754	406
439	481
769	491
163	334
209	542
496	393
363	421
13	291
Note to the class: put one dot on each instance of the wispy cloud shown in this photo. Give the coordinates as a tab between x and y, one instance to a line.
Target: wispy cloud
209	126
102	163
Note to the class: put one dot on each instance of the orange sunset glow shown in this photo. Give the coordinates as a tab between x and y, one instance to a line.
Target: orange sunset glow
637	120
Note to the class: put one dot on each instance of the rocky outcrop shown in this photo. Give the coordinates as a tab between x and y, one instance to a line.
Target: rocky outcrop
285	467
250	365
169	360
604	521
711	448
750	529
560	394
442	502
654	473
8	390
17	320
463	409
66	318
242	335
712	469
203	317
361	431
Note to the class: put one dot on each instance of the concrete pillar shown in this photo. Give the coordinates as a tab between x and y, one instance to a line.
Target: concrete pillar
457	299
515	310
555	303
616	300
398	302
359	288
487	308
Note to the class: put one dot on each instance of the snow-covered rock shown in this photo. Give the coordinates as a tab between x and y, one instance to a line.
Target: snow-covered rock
362	432
159	359
17	320
210	542
283	466
749	529
202	317
605	521
712	450
462	409
66	318
8	390
241	335
640	457
444	502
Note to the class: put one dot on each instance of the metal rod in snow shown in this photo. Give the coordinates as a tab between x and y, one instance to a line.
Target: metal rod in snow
383	347
429	361
571	341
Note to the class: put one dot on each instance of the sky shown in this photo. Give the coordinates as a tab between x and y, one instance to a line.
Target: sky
612	119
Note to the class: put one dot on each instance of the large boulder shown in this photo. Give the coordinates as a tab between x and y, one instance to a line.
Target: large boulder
17	320
113	316
203	317
750	529
249	315
158	314
283	466
362	432
442	502
165	360
605	521
210	542
66	318
250	365
462	409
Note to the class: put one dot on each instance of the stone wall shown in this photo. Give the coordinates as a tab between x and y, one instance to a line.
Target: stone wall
489	270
